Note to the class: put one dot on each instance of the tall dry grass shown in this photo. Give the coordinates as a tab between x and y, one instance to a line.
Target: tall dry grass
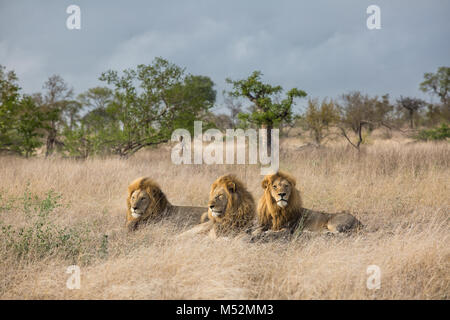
399	191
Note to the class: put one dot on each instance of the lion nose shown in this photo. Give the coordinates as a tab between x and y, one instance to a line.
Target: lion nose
134	208
282	194
211	206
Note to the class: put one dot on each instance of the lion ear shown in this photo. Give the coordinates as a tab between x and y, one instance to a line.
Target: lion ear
231	187
292	181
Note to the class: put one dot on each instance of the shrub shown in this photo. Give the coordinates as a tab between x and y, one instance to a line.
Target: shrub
439	133
40	237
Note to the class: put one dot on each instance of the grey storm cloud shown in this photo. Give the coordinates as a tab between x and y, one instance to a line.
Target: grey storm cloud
322	47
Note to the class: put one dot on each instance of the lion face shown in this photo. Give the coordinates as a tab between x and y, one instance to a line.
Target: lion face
281	202
231	207
139	202
280	190
218	201
221	198
145	200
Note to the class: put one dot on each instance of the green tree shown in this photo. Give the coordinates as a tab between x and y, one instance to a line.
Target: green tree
151	101
434	114
9	100
55	103
319	118
83	133
79	142
190	100
267	110
412	107
358	111
21	120
96	98
438	84
97	132
29	124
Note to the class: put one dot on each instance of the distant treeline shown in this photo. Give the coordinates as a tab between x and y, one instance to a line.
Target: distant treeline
141	107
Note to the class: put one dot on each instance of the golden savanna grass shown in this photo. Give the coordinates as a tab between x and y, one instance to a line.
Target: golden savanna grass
398	190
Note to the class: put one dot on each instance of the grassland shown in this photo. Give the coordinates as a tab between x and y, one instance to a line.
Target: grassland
58	212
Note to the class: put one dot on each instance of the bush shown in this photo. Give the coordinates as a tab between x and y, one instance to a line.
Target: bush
40	237
439	133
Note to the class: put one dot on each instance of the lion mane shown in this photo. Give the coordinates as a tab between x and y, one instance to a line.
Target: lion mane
269	214
159	207
294	217
239	214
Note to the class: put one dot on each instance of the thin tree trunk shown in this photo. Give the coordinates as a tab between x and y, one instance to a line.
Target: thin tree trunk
411	118
50	145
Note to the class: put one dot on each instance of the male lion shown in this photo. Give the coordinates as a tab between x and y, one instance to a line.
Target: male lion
146	202
281	207
231	208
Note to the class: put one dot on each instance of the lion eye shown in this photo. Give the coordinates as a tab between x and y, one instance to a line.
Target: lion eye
274	187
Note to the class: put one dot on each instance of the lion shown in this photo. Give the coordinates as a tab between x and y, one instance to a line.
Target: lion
280	207
231	209
146	201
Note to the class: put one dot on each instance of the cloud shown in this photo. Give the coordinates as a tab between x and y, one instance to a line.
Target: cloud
170	44
27	65
322	47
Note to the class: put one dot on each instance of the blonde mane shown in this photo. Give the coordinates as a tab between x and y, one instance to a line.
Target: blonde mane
159	200
270	215
239	214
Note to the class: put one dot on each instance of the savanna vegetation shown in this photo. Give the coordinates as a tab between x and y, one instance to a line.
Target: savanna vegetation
66	162
142	106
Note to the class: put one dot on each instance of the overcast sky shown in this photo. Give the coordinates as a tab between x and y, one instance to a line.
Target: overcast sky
322	47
